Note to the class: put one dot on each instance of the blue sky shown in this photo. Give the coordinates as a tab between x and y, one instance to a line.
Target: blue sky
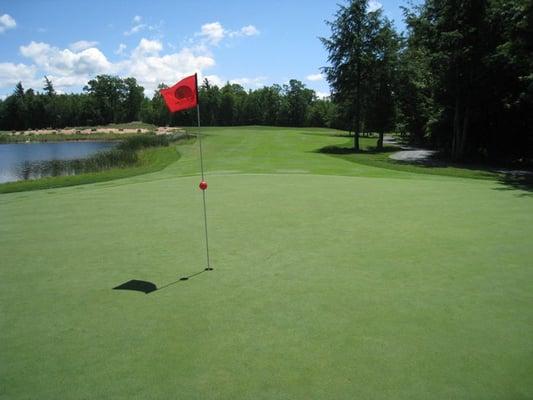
253	43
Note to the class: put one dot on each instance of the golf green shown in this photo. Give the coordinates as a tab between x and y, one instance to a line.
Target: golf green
332	280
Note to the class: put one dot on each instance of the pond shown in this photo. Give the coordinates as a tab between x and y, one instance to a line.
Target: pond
15	156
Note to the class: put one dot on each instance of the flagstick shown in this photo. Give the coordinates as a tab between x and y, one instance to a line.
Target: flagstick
203	191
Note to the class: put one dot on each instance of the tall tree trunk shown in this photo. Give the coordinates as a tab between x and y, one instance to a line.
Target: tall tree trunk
464	133
457	128
357	110
461	123
380	141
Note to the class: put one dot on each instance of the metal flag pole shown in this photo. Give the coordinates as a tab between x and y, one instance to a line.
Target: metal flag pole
203	184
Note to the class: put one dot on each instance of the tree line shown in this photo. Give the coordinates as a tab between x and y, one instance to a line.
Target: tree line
111	99
105	99
459	79
291	104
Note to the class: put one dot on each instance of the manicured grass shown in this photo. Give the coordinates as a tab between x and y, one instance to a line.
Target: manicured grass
333	279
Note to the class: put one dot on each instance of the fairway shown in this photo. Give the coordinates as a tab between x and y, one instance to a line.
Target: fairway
333	280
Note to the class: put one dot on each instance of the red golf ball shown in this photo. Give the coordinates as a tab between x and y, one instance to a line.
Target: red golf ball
203	185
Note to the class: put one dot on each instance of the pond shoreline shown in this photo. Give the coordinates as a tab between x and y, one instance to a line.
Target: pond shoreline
150	159
17	159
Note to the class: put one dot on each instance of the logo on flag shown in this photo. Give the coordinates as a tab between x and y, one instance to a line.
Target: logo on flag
183	95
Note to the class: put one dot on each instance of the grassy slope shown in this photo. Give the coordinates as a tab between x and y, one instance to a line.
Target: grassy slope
333	280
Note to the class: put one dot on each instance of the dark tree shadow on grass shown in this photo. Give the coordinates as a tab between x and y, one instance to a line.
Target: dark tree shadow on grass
508	178
517	181
338	134
338	150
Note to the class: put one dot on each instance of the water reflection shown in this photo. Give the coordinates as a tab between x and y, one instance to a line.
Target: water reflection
22	161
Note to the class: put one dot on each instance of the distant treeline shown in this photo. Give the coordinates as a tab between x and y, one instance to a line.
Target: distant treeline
110	99
460	79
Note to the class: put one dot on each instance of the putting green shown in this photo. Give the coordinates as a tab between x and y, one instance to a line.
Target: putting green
332	280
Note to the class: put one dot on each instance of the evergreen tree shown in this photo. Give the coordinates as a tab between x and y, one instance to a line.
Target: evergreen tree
352	54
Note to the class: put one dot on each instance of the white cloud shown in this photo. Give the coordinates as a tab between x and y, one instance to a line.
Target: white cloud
82	45
256	82
315	77
137	26
66	62
150	68
11	74
147	47
212	32
249	30
322	95
374	5
249	83
7	22
120	49
149	62
68	69
214	80
135	29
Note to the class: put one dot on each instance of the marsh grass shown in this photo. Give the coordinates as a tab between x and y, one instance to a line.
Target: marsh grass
124	155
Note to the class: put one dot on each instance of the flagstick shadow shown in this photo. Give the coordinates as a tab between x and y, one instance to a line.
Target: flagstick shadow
149	287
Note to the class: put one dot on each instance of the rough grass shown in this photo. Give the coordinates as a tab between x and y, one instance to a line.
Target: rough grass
135	155
333	280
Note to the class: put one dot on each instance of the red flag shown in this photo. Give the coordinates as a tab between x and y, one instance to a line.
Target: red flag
182	95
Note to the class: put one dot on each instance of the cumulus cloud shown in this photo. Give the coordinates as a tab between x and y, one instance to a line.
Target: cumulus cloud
82	45
150	67
147	47
256	82
89	61
11	74
374	5
149	62
249	30
120	49
212	33
249	83
70	70
7	22
138	26
315	77
322	95
135	29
